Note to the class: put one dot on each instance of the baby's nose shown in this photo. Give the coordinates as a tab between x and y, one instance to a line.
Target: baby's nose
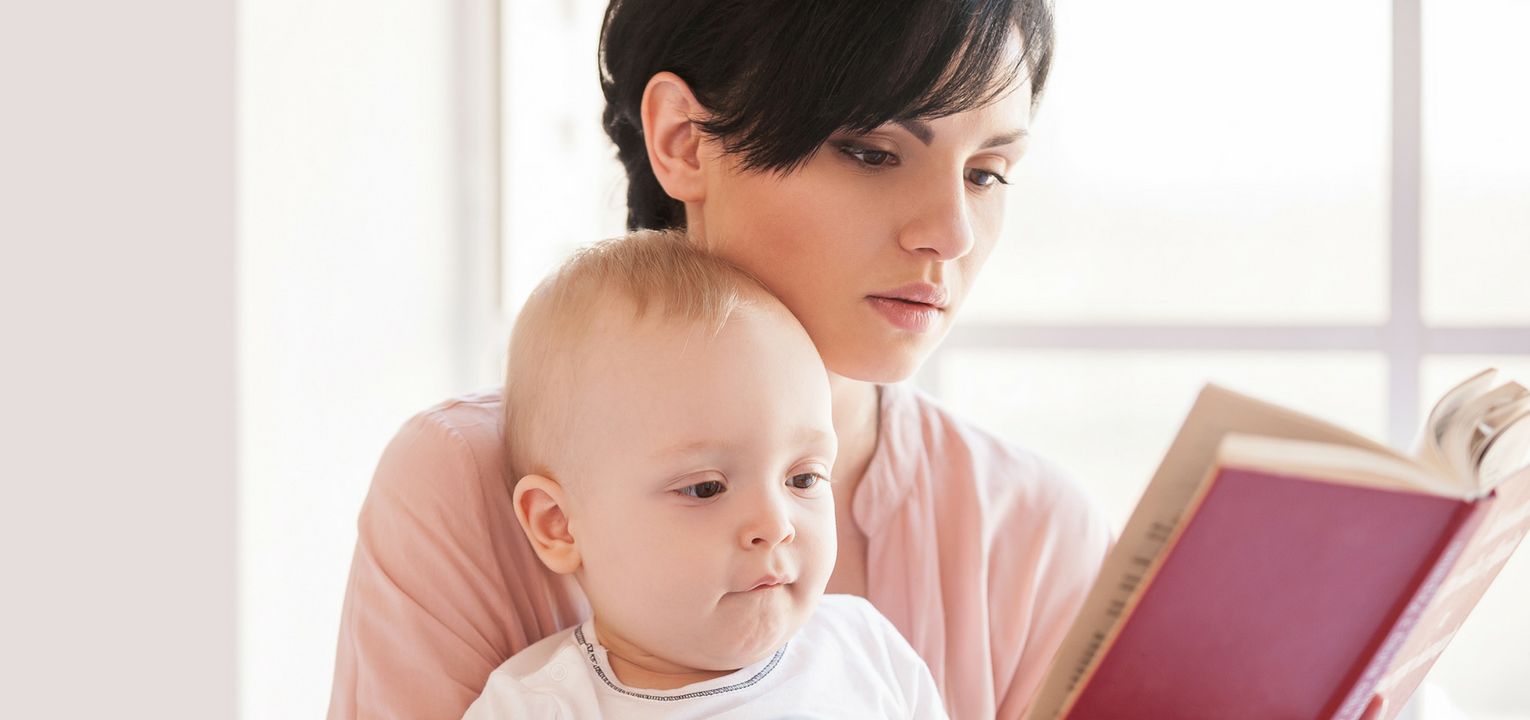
768	526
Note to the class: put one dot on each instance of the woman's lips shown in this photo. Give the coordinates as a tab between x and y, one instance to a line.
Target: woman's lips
919	292
907	315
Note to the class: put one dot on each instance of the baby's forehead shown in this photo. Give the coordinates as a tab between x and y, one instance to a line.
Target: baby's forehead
619	323
631	351
652	390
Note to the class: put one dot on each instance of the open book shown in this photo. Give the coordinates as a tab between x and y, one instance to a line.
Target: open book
1278	566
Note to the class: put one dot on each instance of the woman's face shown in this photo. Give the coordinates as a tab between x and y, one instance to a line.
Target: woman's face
876	240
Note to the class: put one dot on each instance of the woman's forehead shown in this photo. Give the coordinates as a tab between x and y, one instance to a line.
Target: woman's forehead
1002	122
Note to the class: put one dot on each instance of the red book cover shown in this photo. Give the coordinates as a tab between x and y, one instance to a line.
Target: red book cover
1278	594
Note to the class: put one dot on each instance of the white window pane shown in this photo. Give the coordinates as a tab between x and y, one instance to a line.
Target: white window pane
1108	417
1476	192
1198	161
562	186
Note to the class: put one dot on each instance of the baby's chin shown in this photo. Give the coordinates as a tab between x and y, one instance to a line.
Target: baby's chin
752	627
740	656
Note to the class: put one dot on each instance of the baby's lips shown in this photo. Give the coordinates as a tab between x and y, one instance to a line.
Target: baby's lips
766	581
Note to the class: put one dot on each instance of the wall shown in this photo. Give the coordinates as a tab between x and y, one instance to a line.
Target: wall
117	300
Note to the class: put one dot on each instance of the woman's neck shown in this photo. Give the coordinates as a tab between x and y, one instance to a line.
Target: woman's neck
856	419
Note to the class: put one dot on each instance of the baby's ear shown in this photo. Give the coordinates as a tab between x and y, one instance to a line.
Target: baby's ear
542	508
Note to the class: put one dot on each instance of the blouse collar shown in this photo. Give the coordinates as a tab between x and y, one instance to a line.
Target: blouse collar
895	462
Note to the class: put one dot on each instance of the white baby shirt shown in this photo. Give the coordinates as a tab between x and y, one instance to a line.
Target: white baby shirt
847	661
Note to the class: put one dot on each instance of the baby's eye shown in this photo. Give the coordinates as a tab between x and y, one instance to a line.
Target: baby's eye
868	156
803	481
704	490
984	178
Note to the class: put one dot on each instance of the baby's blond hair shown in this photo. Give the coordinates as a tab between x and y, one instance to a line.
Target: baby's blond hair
659	271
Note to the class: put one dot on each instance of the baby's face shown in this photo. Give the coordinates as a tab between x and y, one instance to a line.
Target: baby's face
701	505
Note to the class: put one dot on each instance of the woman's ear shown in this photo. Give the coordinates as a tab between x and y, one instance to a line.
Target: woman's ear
542	507
673	142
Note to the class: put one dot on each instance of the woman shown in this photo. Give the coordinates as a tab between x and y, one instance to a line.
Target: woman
851	155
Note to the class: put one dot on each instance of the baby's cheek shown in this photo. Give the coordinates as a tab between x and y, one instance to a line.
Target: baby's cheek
819	540
620	545
679	556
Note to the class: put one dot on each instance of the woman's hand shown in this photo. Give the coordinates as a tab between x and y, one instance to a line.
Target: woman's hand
1373	711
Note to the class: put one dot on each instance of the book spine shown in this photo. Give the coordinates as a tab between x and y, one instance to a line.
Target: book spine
1364	687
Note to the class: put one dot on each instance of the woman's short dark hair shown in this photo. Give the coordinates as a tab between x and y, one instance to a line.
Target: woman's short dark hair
778	77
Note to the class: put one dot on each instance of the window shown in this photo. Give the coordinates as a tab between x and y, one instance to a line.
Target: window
561	186
1326	204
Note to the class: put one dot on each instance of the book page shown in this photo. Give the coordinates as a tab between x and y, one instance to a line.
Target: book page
1507	450
1463	440
1467	423
1429	445
1338	464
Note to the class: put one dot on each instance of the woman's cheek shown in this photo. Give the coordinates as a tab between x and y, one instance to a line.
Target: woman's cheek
988	224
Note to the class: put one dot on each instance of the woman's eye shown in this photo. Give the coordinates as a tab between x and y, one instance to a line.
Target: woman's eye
983	178
869	157
804	481
703	490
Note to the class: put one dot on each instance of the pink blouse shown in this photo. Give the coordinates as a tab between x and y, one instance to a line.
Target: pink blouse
977	551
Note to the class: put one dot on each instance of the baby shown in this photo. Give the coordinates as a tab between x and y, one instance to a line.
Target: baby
670	425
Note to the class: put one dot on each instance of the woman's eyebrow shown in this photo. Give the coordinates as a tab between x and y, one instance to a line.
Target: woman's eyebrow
922	130
1006	138
918	128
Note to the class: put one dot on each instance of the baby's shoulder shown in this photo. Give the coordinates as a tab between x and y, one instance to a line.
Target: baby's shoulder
535	682
555	648
845	611
850	623
850	647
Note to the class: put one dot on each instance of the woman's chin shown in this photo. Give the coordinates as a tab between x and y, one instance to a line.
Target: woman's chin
881	366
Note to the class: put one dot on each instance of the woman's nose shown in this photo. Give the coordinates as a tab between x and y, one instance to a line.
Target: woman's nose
768	524
940	226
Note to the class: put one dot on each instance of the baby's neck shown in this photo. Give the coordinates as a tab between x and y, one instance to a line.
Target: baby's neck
637	668
637	674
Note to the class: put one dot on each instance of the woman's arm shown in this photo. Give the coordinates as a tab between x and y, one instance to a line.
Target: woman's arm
1065	553
443	586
